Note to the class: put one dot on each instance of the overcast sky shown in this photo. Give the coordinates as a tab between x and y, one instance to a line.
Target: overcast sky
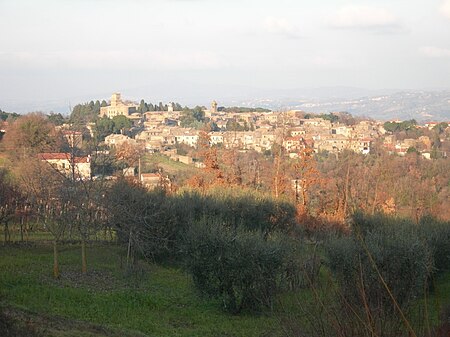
184	49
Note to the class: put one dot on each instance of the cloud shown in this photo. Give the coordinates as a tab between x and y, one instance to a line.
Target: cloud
445	8
327	61
281	26
115	59
435	52
366	18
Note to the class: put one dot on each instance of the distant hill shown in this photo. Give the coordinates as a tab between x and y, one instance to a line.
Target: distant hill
420	105
388	104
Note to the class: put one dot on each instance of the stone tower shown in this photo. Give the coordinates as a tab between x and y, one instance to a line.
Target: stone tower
214	107
115	99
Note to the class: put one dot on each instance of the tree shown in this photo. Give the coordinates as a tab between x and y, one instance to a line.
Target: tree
129	153
192	117
103	127
85	113
143	106
441	127
8	115
307	175
233	125
54	213
56	119
402	126
42	186
10	200
212	174
144	220
32	133
121	124
241	268
85	212
412	149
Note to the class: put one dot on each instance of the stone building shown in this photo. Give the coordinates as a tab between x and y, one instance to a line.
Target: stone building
78	168
117	108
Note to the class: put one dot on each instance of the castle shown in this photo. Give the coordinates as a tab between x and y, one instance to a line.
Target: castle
117	108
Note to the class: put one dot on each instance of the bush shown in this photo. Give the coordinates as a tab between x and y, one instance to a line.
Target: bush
239	208
241	268
380	250
144	220
437	235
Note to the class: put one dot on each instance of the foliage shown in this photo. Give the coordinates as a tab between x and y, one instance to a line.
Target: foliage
233	125
240	268
56	118
437	235
103	127
154	223
11	200
146	107
412	149
235	207
8	115
440	127
383	266
85	113
32	133
121	124
145	220
192	117
330	116
401	126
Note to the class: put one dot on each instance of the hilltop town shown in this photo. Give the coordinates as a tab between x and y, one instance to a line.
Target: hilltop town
174	131
214	188
160	131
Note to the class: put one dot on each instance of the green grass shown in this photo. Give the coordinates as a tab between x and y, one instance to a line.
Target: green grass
153	300
438	299
151	161
157	300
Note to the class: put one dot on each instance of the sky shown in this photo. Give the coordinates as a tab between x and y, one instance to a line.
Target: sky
62	52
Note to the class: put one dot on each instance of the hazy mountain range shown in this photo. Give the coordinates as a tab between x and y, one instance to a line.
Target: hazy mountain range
426	105
381	105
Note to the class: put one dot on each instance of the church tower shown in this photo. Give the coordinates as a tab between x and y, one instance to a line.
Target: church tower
214	107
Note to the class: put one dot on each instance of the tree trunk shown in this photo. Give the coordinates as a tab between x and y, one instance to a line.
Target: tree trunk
7	234
129	248
375	197
21	228
83	256
277	176
346	192
55	260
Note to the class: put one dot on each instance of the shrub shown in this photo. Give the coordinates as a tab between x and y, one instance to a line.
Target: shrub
437	235
144	219
380	251
241	268
237	207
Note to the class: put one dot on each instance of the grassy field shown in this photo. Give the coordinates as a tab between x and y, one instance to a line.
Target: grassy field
153	300
173	168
